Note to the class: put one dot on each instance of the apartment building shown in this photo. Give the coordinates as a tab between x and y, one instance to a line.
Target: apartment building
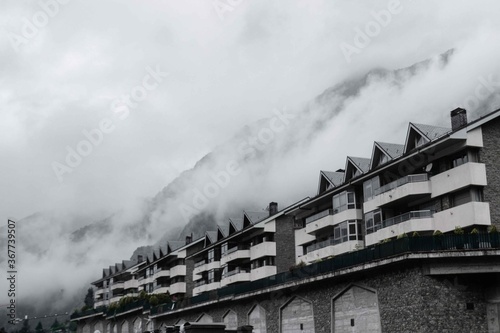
116	282
166	269
244	250
434	181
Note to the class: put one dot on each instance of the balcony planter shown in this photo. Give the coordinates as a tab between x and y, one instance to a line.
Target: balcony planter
437	238
459	240
474	238
494	237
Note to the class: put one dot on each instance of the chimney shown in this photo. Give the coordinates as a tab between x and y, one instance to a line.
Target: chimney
189	239
273	208
458	118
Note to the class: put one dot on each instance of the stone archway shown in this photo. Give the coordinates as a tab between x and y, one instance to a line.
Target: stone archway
205	319
355	309
257	318
230	318
296	315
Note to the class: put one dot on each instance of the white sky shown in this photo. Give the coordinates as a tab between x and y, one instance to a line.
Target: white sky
225	70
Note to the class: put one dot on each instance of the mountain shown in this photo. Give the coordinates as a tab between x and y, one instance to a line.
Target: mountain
274	159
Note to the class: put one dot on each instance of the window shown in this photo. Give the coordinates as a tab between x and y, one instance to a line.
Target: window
343	201
373	221
460	198
211	276
382	158
211	255
223	249
369	187
348	230
459	160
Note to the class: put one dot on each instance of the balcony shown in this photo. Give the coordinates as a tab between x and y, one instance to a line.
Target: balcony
319	221
264	249
235	276
178	288
468	214
130	284
100	303
99	291
462	176
161	272
421	220
117	285
204	266
179	270
199	288
262	272
161	288
302	237
236	254
403	188
328	248
145	280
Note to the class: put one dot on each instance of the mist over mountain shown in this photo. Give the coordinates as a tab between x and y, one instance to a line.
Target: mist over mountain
274	159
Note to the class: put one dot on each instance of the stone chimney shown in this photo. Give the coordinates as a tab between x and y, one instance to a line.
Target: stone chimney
273	208
189	239
458	118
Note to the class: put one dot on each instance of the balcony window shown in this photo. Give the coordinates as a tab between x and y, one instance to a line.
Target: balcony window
348	230
211	276
369	187
343	201
459	160
223	250
373	221
211	255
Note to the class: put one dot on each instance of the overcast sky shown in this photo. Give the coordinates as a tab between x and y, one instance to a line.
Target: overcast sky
197	71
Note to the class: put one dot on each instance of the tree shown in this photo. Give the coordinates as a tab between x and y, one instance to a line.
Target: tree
89	298
26	327
39	328
55	326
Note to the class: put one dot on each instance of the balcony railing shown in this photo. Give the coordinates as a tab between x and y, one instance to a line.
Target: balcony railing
236	248
200	283
322	244
417	214
319	215
400	182
235	271
422	244
200	263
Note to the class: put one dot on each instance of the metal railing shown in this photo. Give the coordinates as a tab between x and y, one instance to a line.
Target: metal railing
319	215
235	271
328	242
416	214
400	182
425	244
200	263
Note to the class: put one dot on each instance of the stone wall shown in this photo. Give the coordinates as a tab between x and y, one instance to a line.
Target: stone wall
285	243
490	155
408	301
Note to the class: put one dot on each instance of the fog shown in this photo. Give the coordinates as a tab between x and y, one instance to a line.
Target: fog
213	77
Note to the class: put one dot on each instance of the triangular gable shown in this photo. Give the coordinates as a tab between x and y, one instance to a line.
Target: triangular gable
250	218
222	232
419	134
384	152
355	166
329	179
235	225
105	272
174	245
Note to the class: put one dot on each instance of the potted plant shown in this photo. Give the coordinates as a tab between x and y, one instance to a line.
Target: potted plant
474	238
437	237
459	239
494	236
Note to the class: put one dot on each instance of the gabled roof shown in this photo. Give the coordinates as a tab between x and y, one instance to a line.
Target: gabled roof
235	224
250	218
389	150
329	179
174	245
419	134
105	272
222	231
355	166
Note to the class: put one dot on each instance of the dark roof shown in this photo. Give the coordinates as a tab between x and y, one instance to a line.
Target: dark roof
431	132
362	163
256	216
394	150
335	178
